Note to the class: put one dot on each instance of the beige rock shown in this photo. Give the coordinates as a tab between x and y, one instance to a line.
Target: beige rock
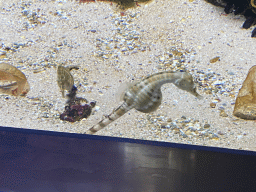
245	106
12	81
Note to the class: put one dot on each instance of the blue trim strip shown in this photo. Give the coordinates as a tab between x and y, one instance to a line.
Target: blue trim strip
128	140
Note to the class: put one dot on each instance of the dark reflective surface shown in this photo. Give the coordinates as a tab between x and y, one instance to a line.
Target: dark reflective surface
40	161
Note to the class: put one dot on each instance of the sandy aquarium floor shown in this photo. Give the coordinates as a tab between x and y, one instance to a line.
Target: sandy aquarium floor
111	47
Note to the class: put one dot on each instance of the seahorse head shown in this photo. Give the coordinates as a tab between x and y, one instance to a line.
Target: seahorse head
186	83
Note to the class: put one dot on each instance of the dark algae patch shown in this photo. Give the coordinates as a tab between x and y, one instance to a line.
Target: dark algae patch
74	110
240	7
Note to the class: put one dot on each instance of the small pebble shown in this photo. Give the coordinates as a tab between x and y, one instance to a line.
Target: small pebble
219	83
215	59
187	121
223	113
183	134
239	136
220	133
215	137
163	125
212	105
192	128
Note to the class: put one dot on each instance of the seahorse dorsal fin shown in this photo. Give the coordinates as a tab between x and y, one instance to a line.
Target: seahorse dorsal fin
122	89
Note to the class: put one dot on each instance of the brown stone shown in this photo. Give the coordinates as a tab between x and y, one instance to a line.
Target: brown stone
212	105
245	106
223	113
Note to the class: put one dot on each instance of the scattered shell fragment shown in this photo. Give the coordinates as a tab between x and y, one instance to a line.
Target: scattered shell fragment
214	60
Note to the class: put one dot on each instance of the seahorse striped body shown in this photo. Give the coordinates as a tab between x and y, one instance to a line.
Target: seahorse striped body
146	96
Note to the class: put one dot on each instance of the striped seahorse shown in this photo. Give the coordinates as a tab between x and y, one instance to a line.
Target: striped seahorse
146	96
